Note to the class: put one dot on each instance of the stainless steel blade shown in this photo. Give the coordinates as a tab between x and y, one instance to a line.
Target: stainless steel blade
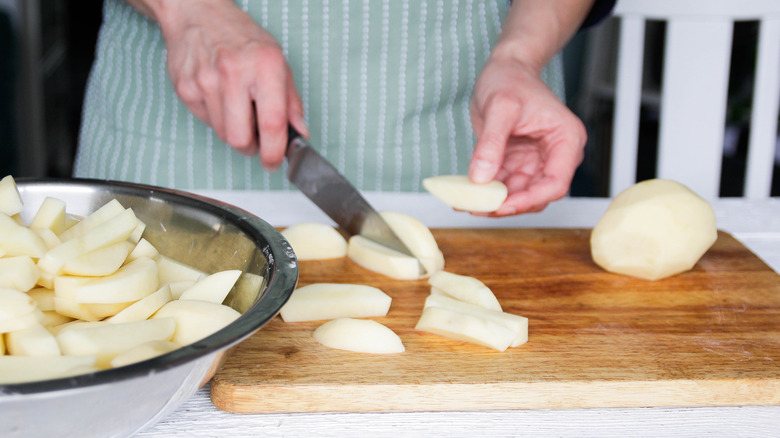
316	178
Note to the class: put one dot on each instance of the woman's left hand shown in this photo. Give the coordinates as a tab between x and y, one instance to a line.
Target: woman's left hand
526	137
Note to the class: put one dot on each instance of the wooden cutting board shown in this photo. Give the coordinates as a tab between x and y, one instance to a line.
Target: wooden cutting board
708	337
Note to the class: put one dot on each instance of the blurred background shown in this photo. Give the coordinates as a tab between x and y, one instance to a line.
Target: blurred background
47	47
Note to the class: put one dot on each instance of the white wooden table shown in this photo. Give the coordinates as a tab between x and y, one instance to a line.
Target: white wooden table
755	223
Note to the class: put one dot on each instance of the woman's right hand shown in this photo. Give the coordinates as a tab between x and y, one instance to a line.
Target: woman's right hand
231	73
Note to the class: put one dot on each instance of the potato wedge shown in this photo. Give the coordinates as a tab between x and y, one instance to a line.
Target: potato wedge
18	273
32	341
50	216
358	335
464	288
315	241
465	327
383	260
460	193
213	288
195	319
131	282
143	352
19	369
100	262
10	200
321	301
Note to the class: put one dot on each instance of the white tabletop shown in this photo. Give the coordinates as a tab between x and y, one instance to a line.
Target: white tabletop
755	223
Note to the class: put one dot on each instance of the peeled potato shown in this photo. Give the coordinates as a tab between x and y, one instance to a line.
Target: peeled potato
315	241
358	335
384	260
652	230
464	288
320	301
418	238
10	201
460	193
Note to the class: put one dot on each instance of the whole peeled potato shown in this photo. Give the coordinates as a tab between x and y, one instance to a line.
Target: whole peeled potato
652	230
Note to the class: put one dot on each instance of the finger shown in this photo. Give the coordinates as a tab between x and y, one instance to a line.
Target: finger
239	120
500	119
208	82
270	100
295	109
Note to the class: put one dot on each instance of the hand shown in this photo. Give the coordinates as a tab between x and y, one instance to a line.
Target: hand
526	137
232	74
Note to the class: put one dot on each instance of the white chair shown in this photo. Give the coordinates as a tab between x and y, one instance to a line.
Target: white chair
694	92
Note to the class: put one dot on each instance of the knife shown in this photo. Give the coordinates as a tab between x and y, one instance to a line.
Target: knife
316	178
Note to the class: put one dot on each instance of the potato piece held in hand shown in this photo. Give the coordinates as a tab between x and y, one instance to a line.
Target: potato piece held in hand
315	241
464	288
320	301
460	193
359	335
652	230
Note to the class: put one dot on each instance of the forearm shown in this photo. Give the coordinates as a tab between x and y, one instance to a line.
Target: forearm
535	30
166	12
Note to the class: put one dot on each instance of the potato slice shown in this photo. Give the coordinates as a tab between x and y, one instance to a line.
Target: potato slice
87	311
170	270
460	193
195	319
16	240
131	282
383	260
320	301
464	288
20	322
114	230
652	230
18	273
52	319
418	238
100	262
315	241
143	308
518	324
10	200
32	341
143	352
50	216
359	335
43	297
465	327
19	369
98	217
213	288
143	249
49	238
15	303
106	341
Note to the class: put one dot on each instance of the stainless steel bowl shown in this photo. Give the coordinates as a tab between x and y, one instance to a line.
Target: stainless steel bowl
204	233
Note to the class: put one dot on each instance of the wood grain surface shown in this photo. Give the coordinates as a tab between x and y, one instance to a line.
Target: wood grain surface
708	337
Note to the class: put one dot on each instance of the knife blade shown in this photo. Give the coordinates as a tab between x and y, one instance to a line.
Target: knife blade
322	183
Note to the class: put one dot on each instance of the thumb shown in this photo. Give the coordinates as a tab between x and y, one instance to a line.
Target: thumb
491	143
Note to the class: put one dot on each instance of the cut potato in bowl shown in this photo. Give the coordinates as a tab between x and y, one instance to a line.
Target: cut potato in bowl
32	341
464	288
18	240
143	308
143	352
21	322
10	200
321	301
106	341
196	319
15	303
383	260
131	282
18	273
19	369
143	249
460	193
213	288
359	335
652	230
50	216
315	241
108	211
170	271
100	262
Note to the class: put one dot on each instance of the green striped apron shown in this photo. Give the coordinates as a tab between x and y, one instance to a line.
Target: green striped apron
385	85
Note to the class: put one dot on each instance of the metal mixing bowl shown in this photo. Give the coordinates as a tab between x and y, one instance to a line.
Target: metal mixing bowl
204	233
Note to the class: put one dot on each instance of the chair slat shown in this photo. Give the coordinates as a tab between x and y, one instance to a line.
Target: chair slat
766	104
693	103
625	127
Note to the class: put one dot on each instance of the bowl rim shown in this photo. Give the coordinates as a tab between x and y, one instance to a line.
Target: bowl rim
282	279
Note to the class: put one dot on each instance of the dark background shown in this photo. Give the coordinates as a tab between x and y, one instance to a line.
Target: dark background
47	47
